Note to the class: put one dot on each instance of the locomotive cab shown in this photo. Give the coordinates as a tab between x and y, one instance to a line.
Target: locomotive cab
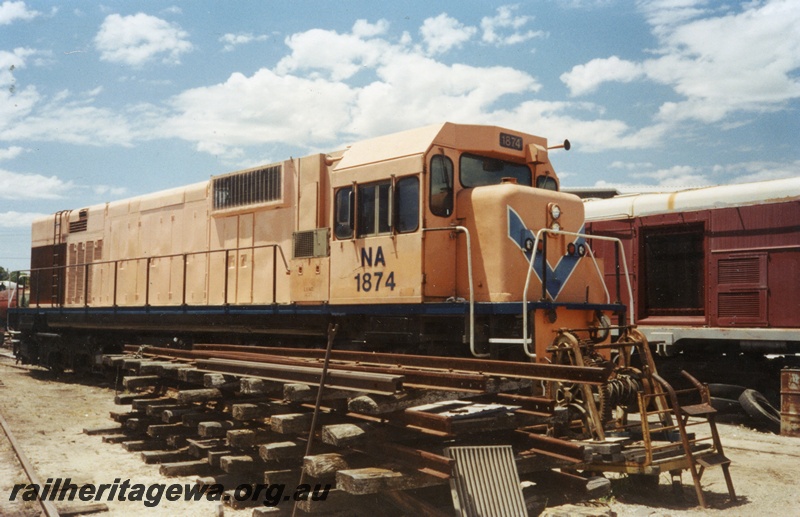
447	220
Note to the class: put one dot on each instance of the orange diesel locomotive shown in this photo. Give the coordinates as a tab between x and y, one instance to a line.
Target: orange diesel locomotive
426	241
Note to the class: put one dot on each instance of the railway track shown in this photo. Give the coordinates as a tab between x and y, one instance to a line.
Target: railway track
378	425
49	508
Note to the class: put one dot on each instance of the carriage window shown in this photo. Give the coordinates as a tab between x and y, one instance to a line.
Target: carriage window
674	271
344	213
481	170
374	207
407	204
441	201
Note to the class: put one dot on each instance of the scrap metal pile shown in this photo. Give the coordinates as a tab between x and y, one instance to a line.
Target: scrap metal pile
376	424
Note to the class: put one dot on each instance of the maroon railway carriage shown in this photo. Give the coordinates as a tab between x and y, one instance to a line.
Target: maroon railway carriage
714	269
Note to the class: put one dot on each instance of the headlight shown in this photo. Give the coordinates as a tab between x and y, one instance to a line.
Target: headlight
555	226
555	211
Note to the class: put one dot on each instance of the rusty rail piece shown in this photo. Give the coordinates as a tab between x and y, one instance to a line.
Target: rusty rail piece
377	383
407	364
48	508
333	328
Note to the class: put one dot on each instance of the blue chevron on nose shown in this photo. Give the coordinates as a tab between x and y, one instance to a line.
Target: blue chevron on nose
556	277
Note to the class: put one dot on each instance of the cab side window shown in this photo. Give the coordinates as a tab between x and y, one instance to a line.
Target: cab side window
374	204
377	209
546	182
344	213
441	195
407	205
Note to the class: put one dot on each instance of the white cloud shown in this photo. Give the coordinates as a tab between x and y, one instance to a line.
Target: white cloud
16	186
265	107
719	64
13	219
745	172
66	118
137	39
312	99
339	56
583	79
663	14
505	28
631	166
106	190
750	63
231	41
15	103
677	176
11	152
443	33
13	11
9	62
437	92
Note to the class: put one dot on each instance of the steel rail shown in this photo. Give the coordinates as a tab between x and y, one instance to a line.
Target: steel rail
489	367
332	329
462	381
402	362
379	383
48	508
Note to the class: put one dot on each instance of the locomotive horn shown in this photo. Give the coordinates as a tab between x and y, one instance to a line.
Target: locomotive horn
566	146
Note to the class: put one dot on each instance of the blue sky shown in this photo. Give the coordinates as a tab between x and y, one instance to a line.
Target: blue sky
101	101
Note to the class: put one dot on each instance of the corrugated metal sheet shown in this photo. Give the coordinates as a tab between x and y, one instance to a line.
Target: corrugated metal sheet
485	482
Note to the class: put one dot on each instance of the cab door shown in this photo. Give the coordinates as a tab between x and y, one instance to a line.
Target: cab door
439	249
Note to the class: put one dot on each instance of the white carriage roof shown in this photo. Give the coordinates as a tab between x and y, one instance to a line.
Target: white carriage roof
635	205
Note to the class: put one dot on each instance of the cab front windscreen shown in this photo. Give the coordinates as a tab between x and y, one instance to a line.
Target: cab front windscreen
477	171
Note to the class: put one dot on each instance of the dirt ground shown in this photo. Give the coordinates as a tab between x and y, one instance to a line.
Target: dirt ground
48	418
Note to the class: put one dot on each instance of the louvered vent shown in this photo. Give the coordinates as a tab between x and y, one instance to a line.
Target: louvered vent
739	271
81	224
739	305
311	243
247	188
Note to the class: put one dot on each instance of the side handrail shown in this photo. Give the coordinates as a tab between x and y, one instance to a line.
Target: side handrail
526	341
20	293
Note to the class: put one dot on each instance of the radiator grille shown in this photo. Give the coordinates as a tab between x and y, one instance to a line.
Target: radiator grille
247	188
